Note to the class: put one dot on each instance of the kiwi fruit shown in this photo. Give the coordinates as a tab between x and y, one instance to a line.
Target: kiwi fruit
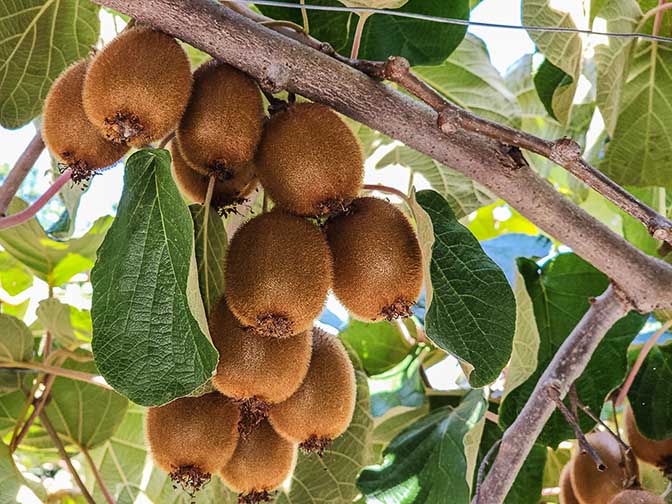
322	408
137	87
192	437
655	452
254	370
377	260
598	487
309	161
566	491
636	496
223	122
278	273
67	131
261	462
194	185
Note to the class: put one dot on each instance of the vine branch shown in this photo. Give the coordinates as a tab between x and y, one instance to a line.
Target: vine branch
20	171
96	474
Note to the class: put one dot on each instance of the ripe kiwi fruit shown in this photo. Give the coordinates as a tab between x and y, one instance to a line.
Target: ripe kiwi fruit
261	462
67	131
599	487
254	370
222	125
322	408
309	161
377	260
566	491
278	273
137	87
636	496
656	452
194	185
192	437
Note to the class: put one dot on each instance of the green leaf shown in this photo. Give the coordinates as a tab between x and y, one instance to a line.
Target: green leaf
400	386
380	346
38	39
560	293
12	483
16	342
53	261
468	79
332	478
14	277
426	463
11	406
69	326
210	254
390	425
651	394
640	149
473	310
150	338
84	414
563	52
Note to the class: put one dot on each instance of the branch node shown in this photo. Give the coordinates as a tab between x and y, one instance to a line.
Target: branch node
565	150
662	233
276	78
396	68
448	120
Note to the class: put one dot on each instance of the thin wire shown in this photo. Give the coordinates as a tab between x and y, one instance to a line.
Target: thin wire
454	21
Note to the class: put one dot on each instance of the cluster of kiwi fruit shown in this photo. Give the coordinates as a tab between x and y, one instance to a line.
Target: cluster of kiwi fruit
582	482
281	383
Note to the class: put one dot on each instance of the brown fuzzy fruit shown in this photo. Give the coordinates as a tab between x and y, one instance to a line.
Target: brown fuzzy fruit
257	371
192	437
278	273
322	408
636	496
592	486
377	260
260	464
137	87
658	453
309	161
194	185
222	125
566	491
67	131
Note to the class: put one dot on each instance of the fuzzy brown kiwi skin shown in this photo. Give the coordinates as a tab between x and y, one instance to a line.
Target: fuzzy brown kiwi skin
595	487
137	87
222	125
194	185
67	131
377	260
636	496
309	160
278	274
651	451
254	370
322	408
260	464
186	442
566	491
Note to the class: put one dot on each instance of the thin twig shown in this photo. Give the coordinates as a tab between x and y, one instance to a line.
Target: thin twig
304	16
97	476
166	139
576	402
481	469
66	373
491	416
359	29
20	171
389	190
38	406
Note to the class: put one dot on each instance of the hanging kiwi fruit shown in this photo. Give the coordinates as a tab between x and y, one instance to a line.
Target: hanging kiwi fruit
566	491
261	462
192	437
309	161
221	127
254	370
636	496
651	451
67	131
322	408
137	87
377	260
278	273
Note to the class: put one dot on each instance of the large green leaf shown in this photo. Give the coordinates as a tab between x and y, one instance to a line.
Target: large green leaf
468	79
14	276
16	340
11	406
473	310
210	254
380	346
400	386
640	149
426	463
38	39
651	394
561	291
69	326
150	337
13	486
53	261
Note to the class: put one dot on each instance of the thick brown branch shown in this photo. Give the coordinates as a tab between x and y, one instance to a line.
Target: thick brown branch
567	365
20	170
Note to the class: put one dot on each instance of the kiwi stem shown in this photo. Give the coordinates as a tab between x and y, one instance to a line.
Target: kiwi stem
640	360
389	190
166	139
20	171
304	16
283	24
97	476
358	34
264	203
57	371
28	213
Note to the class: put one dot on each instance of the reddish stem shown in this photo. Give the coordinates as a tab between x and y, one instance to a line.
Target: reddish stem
358	35
659	17
21	169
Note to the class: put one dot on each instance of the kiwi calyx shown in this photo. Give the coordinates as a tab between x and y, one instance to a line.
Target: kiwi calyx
190	478
122	127
254	497
274	326
253	411
80	171
315	444
400	308
334	207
